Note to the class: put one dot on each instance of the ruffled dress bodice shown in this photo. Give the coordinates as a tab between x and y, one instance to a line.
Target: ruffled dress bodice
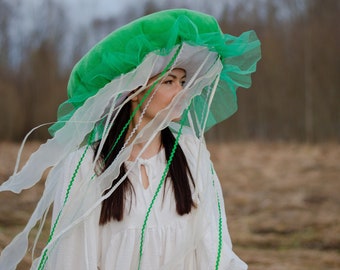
171	241
166	230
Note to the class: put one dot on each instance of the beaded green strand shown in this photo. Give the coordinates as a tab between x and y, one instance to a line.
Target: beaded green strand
171	62
219	246
44	258
159	188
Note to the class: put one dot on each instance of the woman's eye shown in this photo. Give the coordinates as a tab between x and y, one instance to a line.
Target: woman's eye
170	82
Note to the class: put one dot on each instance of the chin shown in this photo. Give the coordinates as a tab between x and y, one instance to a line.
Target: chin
177	119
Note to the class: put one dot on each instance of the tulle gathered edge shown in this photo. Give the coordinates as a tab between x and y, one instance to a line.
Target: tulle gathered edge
80	115
239	56
69	139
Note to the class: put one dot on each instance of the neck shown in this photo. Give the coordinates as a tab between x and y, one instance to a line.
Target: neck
153	147
151	150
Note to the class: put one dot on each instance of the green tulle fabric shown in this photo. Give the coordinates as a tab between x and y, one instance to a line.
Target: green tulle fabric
124	49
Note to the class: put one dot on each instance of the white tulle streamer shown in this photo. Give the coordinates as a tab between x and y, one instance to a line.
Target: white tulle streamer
85	197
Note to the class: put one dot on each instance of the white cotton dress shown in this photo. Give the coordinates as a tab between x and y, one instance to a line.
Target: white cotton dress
171	241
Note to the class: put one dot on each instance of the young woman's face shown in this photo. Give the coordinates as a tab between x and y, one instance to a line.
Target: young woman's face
167	89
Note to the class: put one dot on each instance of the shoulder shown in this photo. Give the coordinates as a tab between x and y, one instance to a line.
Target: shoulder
190	143
81	158
192	146
84	153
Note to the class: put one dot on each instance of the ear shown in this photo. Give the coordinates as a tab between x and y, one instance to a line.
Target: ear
135	97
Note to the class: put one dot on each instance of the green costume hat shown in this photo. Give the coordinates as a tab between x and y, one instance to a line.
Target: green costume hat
216	64
125	49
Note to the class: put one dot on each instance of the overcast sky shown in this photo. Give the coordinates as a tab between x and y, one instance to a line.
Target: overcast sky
110	8
32	16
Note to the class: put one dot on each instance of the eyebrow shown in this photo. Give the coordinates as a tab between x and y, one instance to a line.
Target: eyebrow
175	77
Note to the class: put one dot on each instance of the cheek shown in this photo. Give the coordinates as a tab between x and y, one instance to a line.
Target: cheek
160	100
165	95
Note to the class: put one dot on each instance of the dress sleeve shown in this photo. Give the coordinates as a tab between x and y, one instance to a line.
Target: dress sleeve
217	238
214	246
62	173
78	247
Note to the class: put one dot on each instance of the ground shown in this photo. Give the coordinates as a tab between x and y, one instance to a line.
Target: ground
282	202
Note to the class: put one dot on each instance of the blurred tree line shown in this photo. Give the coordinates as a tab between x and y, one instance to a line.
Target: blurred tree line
295	93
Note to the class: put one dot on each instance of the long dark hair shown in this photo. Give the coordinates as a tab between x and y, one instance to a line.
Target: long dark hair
179	172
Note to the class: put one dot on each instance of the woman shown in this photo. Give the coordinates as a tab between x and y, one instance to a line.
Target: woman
132	183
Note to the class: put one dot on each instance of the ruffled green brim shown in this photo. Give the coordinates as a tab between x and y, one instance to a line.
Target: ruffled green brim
124	49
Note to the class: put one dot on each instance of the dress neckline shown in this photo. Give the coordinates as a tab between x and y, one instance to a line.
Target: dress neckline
147	160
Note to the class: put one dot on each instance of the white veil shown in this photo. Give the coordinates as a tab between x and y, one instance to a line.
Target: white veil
83	198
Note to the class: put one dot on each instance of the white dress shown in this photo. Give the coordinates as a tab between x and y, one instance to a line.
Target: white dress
170	241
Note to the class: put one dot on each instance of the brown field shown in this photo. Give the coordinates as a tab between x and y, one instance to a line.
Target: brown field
282	201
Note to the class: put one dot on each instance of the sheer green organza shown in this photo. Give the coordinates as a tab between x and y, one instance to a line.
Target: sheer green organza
124	49
216	65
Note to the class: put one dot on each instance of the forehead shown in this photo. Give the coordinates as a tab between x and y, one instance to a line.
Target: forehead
178	72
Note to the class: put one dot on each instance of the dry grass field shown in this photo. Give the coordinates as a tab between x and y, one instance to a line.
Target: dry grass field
282	202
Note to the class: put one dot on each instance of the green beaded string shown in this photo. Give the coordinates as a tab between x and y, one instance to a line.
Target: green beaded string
219	246
44	258
171	62
159	188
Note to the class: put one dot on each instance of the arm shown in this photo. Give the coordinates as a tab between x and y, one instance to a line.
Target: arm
214	247
76	248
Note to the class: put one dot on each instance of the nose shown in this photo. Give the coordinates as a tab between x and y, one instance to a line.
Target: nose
179	86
